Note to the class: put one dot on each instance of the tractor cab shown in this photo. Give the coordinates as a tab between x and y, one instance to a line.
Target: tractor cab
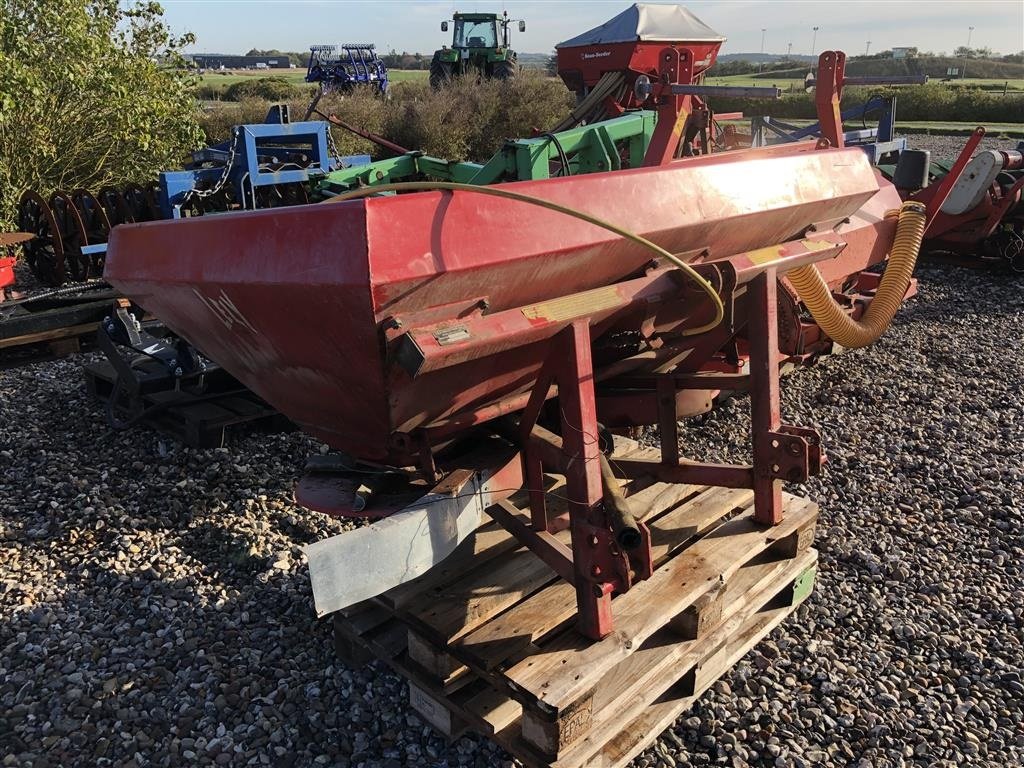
481	45
480	30
474	31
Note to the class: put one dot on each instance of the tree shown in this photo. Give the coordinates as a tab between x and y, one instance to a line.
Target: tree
91	93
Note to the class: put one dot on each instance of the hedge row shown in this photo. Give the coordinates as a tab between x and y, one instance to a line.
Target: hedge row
934	104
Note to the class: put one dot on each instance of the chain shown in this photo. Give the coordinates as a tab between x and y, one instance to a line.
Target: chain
228	166
332	149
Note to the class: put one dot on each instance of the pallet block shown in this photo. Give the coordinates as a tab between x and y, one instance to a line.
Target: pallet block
200	421
489	635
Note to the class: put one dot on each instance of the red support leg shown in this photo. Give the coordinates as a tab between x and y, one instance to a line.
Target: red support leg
533	467
828	90
668	420
590	533
763	327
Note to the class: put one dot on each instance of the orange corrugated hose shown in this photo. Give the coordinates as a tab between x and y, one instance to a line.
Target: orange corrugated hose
833	319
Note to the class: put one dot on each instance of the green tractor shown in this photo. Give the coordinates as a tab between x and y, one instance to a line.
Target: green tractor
477	49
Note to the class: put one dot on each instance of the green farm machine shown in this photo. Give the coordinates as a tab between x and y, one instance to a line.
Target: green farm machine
480	47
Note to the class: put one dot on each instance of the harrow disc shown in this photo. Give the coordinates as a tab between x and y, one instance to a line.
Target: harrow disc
281	195
45	253
276	195
72	234
97	225
115	206
152	193
137	203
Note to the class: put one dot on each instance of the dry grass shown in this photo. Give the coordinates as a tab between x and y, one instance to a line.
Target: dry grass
465	121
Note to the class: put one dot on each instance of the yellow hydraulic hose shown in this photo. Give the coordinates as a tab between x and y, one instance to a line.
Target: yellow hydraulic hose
422	186
833	320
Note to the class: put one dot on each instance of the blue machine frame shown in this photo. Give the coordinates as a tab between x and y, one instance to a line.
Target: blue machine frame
355	64
257	155
878	142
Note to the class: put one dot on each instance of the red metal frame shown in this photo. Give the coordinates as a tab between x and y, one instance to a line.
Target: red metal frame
828	92
675	65
964	231
440	322
8	242
597	565
594	572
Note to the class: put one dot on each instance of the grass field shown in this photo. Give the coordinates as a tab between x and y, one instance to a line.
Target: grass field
296	76
794	85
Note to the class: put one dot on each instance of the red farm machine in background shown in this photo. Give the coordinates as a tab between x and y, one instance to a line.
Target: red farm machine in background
981	221
609	58
611	69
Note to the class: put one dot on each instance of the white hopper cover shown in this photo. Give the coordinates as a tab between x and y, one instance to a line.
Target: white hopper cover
648	22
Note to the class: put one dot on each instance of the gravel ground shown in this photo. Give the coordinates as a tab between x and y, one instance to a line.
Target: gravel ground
155	608
949	147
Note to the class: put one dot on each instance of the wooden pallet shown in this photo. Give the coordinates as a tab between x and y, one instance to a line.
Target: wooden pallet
47	329
41	347
200	421
486	639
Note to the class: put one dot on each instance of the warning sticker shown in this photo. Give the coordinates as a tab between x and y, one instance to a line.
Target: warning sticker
578	305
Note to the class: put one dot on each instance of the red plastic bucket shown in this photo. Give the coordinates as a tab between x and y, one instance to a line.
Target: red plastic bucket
7	271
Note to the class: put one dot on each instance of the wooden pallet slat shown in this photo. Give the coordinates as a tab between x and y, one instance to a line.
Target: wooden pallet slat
555	606
488	640
471	601
633	720
666	660
654	717
567	673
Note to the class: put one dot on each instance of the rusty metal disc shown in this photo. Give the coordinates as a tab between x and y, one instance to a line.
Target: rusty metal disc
97	225
7	239
72	234
115	206
45	253
134	197
152	195
281	195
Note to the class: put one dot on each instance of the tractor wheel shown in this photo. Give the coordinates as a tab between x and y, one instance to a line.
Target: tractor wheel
440	73
505	70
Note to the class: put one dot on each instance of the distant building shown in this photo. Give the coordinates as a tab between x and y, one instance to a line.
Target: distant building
227	61
904	53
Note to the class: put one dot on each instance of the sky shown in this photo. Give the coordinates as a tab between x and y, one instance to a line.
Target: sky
235	26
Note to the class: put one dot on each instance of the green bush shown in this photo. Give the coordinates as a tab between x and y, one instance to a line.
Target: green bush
466	120
217	120
91	93
270	88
